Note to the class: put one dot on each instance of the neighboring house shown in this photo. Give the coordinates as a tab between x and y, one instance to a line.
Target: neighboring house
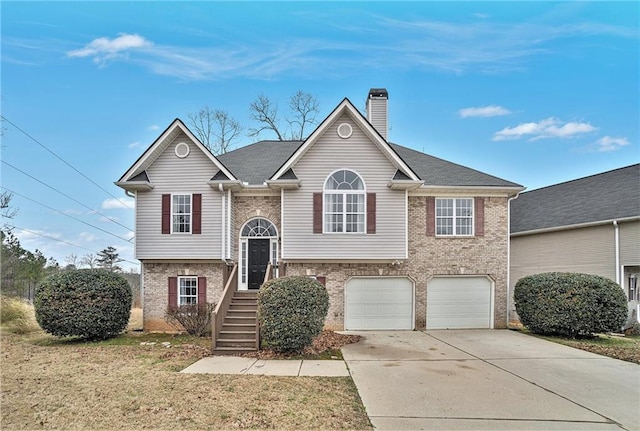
589	225
401	239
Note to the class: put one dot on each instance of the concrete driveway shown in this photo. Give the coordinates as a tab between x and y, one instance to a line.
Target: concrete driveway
490	380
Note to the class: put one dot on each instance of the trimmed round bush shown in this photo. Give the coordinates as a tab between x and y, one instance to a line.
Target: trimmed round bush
570	304
291	312
89	303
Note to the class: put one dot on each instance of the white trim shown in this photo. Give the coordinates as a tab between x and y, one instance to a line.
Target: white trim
160	144
454	234
574	226
178	295
190	214
182	153
484	191
362	192
349	130
346	107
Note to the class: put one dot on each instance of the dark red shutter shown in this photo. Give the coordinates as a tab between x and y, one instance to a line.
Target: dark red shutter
322	280
202	290
431	216
166	214
371	213
173	293
479	216
196	224
317	213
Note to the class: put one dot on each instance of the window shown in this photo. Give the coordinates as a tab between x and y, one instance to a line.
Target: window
344	203
454	217
187	290
181	213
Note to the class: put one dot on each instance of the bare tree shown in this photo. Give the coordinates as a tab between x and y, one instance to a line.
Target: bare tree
5	205
90	260
215	128
265	113
71	261
304	109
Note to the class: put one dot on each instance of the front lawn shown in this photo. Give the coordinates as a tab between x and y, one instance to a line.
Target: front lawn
123	384
624	348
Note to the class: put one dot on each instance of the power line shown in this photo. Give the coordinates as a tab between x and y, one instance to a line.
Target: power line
62	241
68	215
65	195
61	159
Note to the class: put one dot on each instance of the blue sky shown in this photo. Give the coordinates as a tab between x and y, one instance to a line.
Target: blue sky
533	92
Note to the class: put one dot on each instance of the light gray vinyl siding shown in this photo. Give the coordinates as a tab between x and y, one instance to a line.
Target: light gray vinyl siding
588	250
172	175
329	154
630	243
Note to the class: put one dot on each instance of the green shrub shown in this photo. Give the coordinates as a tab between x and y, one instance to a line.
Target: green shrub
193	318
89	303
291	312
570	304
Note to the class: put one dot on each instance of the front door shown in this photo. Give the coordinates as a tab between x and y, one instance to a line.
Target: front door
258	260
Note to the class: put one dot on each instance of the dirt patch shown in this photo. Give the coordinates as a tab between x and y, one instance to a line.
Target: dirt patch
327	345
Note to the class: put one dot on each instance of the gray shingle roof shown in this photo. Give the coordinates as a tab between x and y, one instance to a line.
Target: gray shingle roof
607	196
256	163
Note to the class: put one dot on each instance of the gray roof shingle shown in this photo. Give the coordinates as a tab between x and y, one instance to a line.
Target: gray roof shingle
257	162
606	196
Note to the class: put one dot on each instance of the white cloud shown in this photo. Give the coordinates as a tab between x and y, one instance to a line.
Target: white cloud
134	144
548	128
153	127
103	49
120	203
609	143
484	111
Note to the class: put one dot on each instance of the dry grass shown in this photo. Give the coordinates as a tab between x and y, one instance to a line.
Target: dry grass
52	384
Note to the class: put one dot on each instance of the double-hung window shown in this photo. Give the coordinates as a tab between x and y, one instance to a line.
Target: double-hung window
454	216
187	290
181	213
344	203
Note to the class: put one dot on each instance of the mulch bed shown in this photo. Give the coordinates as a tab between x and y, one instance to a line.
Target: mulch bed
326	342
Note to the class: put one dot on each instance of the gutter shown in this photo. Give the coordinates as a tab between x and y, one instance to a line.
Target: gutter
575	226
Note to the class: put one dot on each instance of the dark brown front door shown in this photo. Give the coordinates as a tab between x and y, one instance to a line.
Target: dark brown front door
258	260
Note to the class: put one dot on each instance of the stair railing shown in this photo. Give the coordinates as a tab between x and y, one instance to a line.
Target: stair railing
217	318
268	273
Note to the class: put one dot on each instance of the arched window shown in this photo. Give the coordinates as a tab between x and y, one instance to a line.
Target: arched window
344	203
259	227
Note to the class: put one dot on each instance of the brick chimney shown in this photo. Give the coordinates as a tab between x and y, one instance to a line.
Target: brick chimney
377	110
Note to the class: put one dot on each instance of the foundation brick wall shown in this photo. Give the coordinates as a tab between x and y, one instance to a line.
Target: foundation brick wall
156	288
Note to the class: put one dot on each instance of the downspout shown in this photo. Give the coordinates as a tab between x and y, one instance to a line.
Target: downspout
616	230
223	232
509	255
228	256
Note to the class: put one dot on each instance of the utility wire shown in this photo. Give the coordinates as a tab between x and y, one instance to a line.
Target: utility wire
62	160
65	195
68	215
62	241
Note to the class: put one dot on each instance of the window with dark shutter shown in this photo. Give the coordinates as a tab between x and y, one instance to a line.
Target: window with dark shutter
479	215
317	213
371	213
431	216
197	214
166	214
173	293
202	290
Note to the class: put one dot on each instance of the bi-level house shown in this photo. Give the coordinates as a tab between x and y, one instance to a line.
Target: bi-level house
401	239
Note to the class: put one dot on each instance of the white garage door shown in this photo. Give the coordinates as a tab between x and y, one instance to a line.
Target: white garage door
379	303
458	302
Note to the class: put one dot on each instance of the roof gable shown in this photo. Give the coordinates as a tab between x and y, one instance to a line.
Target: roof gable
160	144
608	196
346	107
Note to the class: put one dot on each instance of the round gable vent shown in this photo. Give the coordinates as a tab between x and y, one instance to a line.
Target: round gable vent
182	150
345	130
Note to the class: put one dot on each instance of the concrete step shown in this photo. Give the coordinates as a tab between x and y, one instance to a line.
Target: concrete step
232	350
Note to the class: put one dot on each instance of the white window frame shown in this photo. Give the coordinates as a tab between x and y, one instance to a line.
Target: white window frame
455	217
183	297
175	214
343	196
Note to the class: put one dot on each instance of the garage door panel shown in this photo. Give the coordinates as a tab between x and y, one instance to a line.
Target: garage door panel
458	303
379	303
